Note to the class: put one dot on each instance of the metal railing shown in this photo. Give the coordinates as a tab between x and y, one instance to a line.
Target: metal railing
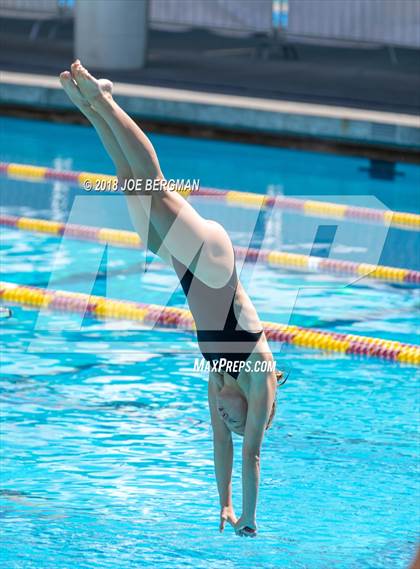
248	16
36	9
385	22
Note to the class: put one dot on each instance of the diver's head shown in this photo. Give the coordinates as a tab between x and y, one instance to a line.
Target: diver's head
232	408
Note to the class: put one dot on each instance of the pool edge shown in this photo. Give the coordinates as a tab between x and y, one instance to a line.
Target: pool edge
291	121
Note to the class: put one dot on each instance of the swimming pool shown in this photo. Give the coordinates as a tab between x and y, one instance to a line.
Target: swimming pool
106	441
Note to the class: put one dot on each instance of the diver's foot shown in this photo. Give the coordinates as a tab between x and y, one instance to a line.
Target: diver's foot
73	91
92	89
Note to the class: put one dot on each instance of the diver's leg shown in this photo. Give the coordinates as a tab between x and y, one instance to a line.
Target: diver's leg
104	132
184	231
139	217
135	145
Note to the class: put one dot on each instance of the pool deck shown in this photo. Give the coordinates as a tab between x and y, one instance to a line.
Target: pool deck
228	111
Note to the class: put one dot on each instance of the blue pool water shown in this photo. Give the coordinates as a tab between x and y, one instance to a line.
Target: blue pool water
106	441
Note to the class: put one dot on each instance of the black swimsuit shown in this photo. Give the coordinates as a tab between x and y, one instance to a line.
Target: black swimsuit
219	334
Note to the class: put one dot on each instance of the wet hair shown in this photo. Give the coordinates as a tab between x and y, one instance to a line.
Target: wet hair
281	380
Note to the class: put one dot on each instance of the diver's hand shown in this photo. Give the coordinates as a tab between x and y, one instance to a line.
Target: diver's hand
227	515
246	527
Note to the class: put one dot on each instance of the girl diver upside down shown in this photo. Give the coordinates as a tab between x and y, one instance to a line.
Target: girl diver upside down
229	332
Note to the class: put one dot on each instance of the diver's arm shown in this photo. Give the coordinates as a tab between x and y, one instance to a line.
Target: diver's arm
260	401
223	458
